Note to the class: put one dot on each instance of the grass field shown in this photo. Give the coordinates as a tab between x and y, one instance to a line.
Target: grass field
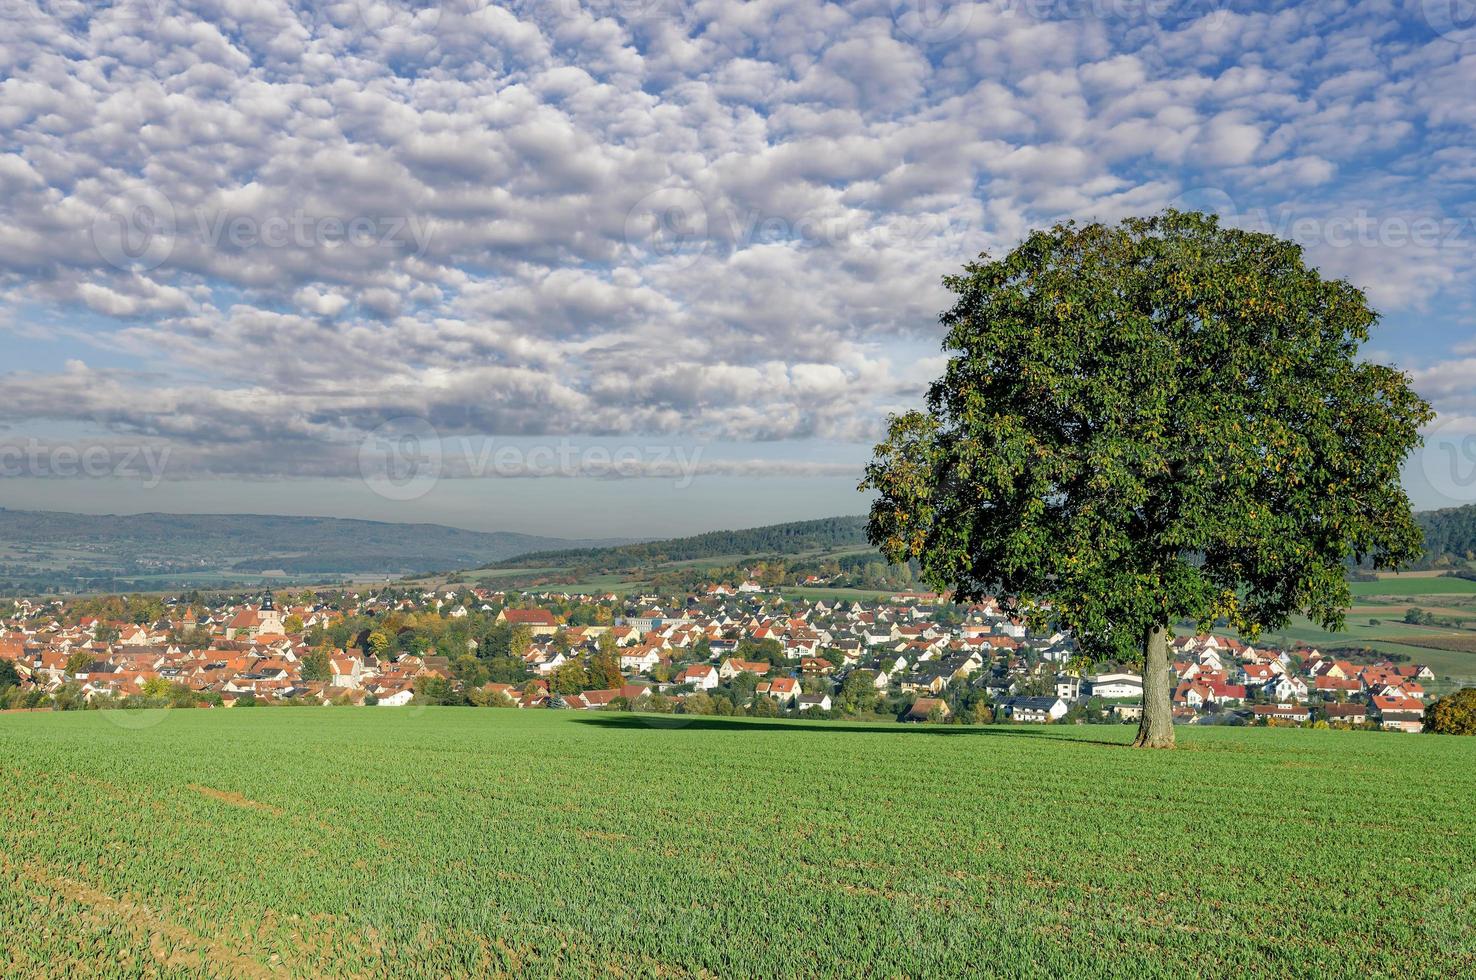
451	841
1412	585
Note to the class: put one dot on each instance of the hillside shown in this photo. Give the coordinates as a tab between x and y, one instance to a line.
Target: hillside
1450	534
552	843
775	539
50	551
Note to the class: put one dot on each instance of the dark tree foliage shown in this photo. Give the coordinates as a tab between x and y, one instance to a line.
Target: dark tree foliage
1450	535
775	539
1156	421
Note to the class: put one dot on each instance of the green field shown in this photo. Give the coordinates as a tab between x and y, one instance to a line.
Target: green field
452	841
1414	585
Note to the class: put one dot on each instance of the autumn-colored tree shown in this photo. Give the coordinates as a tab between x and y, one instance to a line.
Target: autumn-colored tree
1153	421
604	666
379	642
1454	714
570	678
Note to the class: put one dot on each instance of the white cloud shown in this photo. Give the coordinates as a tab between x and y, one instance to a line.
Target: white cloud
371	212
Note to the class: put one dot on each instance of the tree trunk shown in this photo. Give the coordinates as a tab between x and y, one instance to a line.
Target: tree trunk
1156	730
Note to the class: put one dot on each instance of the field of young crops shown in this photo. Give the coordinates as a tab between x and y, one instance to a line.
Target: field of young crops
449	841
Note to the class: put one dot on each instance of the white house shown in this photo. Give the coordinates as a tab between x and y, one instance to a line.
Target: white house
702	677
1117	685
347	672
642	659
1284	688
1036	710
397	699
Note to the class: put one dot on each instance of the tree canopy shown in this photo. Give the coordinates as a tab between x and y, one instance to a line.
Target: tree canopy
1454	714
1159	420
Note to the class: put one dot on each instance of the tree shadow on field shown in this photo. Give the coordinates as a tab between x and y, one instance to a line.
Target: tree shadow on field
710	723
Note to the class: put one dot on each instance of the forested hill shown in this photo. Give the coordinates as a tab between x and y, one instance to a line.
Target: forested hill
46	551
1450	534
1450	538
776	539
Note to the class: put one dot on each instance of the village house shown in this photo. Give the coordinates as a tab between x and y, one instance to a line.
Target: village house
702	677
1035	710
540	622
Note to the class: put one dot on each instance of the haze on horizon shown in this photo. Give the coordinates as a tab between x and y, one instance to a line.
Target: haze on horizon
641	267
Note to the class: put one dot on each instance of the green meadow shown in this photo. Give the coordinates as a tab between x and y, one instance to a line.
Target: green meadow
428	842
1414	585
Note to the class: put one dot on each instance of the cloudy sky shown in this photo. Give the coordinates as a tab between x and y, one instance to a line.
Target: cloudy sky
638	266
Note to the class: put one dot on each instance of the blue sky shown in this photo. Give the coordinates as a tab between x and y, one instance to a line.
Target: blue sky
336	258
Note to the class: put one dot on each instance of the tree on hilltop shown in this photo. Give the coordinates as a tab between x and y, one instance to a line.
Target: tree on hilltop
1153	421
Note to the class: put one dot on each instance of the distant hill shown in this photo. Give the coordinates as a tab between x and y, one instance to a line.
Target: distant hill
1450	537
1450	534
796	537
51	551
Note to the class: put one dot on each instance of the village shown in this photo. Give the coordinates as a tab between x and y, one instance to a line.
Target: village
724	650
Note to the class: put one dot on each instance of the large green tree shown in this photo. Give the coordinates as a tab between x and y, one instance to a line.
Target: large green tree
1153	421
